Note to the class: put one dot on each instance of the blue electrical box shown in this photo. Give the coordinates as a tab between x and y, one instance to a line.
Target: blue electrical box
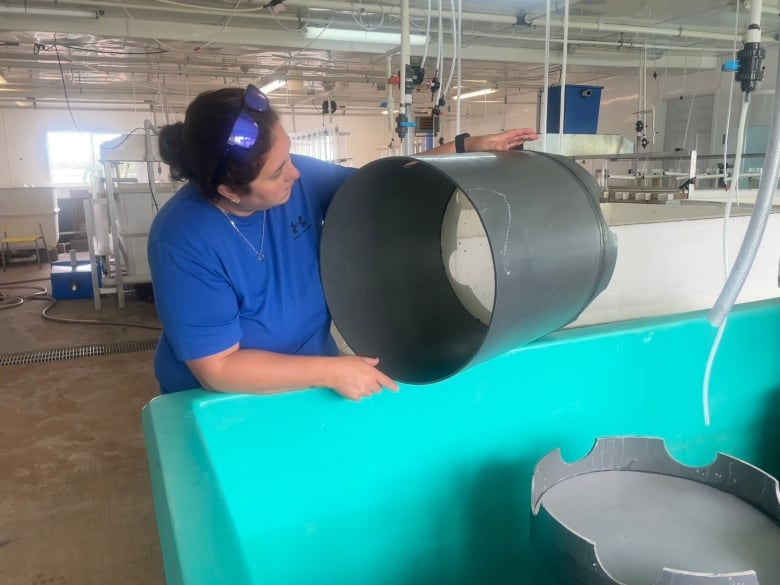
69	281
582	104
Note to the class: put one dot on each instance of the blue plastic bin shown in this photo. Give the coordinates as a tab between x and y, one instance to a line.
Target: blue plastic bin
581	106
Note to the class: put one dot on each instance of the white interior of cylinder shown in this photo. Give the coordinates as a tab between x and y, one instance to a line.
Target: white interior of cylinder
467	258
643	522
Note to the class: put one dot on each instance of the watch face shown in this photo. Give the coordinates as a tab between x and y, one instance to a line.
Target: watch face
460	145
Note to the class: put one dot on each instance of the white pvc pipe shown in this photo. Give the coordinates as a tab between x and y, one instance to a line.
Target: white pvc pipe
439	57
406	105
626	44
564	56
457	48
676	32
692	175
390	103
546	85
753	35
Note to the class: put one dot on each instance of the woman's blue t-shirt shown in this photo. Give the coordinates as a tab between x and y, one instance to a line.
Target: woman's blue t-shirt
212	292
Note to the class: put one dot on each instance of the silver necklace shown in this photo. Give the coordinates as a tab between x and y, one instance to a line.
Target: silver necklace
258	253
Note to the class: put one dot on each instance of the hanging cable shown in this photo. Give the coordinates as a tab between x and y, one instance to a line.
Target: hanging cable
301	25
309	44
358	18
65	85
224	26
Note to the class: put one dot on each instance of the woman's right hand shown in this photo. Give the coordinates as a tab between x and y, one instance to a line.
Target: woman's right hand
355	377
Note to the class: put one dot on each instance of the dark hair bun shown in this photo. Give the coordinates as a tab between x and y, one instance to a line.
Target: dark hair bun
170	142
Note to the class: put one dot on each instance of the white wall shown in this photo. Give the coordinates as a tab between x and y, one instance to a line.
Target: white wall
23	156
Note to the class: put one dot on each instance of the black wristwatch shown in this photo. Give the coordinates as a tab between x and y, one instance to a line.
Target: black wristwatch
460	142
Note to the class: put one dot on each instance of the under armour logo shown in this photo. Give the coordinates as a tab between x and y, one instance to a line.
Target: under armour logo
298	225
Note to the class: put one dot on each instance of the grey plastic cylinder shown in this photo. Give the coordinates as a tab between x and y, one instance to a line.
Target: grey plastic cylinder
630	514
384	274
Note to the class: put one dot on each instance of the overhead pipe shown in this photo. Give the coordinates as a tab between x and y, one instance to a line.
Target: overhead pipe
147	29
680	31
621	44
338	76
598	26
258	12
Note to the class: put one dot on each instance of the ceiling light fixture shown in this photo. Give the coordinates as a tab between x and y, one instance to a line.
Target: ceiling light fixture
477	93
2	80
22	11
359	36
273	86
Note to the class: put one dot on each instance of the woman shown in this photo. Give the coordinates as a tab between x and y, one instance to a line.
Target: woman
234	255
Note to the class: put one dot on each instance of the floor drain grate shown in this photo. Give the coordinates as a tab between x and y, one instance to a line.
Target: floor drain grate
72	353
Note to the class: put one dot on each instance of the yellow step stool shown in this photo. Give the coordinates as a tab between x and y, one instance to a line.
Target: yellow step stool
5	244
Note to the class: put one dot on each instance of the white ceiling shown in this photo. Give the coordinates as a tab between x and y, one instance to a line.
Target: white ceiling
160	53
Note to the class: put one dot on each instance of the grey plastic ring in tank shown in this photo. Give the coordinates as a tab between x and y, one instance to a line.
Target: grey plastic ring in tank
385	276
629	514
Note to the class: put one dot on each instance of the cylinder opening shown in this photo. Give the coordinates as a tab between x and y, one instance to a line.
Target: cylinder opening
468	260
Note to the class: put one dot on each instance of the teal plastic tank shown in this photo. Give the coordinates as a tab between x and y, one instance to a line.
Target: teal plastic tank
432	485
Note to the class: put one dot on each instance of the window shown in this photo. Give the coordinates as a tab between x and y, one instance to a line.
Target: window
74	156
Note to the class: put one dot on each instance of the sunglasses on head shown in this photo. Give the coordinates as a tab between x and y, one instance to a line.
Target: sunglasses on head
245	131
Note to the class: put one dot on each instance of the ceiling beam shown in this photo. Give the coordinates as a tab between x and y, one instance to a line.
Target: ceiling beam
269	39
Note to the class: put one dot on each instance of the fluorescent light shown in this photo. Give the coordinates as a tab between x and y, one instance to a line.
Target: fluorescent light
479	92
359	36
21	10
273	85
2	80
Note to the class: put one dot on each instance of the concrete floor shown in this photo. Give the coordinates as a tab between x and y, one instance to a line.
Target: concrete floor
75	498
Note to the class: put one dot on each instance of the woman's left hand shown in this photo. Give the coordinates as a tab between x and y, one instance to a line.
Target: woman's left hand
501	141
